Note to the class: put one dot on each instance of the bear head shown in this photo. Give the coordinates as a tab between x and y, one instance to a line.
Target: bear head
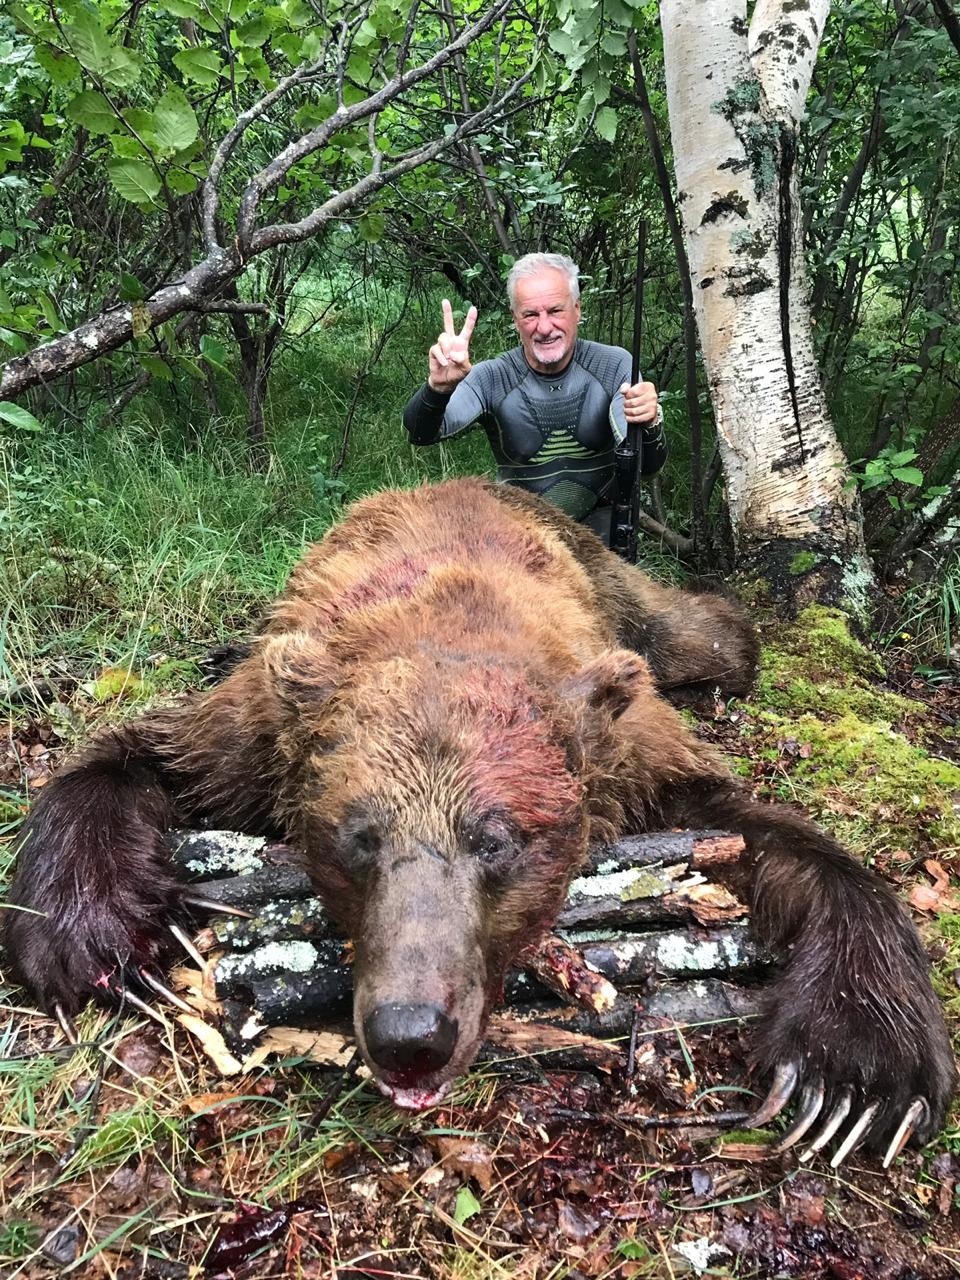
441	801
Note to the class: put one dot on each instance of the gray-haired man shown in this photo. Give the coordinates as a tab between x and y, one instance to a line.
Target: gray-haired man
555	408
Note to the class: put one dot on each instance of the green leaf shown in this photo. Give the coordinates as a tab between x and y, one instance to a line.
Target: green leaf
135	180
297	13
174	122
45	303
181	182
466	1206
97	52
907	475
634	1250
19	417
60	67
125	147
181	8
157	368
614	43
371	227
290	45
130	287
92	110
606	123
254	33
904	456
202	66
560	42
215	354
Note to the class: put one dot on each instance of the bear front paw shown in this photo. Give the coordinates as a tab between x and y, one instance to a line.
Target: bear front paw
67	950
862	1067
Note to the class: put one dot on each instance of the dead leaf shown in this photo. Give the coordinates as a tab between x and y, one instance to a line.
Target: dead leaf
325	1047
468	1157
936	897
203	1101
748	1151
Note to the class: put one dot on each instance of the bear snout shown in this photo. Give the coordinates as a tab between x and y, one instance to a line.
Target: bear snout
410	1040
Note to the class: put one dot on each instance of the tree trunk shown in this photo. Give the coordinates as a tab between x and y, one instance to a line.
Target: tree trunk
736	97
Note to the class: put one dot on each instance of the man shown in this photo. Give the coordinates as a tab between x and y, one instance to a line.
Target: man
555	409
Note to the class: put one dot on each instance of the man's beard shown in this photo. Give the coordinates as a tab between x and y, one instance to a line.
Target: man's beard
552	353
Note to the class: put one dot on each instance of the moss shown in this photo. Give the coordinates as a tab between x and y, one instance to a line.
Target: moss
802	562
833	735
873	782
820	646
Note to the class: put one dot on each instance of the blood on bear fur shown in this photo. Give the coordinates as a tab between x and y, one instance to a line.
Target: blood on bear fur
459	689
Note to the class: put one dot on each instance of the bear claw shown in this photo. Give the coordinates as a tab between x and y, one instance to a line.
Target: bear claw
832	1123
916	1111
185	941
165	991
808	1109
785	1079
126	996
66	1023
856	1135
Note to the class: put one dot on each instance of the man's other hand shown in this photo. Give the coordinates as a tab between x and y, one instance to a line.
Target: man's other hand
640	402
450	354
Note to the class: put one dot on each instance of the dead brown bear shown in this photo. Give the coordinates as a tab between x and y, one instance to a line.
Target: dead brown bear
447	704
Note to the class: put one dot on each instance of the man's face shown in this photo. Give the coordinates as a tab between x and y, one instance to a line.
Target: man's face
546	318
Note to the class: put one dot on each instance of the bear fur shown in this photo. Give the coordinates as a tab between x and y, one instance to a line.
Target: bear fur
460	690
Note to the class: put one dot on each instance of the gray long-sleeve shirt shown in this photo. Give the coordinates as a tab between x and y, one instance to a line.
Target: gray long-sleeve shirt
551	433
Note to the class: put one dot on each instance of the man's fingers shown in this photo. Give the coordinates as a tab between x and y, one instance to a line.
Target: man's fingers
640	402
447	310
437	357
469	321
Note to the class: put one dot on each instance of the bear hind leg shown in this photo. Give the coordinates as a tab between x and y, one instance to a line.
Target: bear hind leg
699	647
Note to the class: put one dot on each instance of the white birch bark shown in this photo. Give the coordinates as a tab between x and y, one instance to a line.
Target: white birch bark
736	97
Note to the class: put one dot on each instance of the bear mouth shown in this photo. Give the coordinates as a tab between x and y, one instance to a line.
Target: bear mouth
411	1096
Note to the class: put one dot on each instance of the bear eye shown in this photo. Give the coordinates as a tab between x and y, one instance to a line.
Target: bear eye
491	842
361	836
366	841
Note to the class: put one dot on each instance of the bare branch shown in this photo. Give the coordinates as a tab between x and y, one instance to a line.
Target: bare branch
211	197
290	232
275	172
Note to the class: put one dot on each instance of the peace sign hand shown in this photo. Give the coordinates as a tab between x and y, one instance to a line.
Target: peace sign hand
450	354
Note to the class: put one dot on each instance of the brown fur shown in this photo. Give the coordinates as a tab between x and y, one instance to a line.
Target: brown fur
445	706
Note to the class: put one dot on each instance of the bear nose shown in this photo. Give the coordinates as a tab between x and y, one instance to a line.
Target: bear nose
415	1038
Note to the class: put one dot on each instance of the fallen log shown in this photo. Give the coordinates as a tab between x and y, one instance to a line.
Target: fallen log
642	928
645	879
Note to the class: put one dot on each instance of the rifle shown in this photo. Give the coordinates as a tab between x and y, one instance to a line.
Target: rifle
626	492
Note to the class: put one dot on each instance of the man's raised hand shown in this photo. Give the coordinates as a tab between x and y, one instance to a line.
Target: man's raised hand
450	354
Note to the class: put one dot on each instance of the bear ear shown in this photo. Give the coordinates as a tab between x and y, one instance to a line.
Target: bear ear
300	670
610	682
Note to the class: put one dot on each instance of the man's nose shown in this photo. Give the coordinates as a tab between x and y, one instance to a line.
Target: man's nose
544	323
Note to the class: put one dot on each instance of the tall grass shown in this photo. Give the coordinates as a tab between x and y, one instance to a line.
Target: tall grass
155	533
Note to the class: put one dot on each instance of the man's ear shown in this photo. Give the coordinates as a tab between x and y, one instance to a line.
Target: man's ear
610	682
300	669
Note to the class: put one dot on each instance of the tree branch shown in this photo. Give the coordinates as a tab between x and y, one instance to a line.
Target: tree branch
278	168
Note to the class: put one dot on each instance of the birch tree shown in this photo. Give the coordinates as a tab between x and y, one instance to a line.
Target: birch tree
736	92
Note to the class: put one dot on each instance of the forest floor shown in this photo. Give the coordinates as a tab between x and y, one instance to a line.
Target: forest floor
131	1155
